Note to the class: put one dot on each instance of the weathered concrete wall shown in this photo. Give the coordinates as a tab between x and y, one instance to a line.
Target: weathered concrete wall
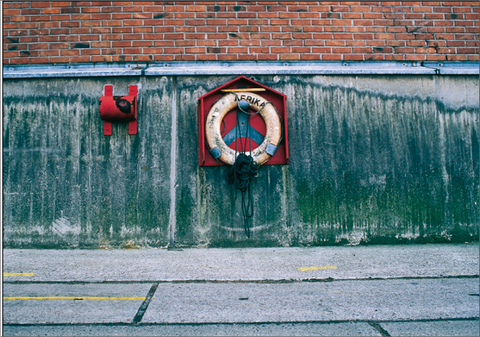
373	159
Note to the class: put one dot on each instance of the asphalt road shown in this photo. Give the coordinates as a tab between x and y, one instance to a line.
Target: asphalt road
416	290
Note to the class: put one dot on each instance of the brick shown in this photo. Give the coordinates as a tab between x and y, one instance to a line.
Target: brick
40	4
206	57
237	50
84	52
339	9
256	8
195	50
289	57
250	43
252	29
355	29
376	57
132	22
376	43
309	15
29	25
417	16
361	50
267	57
274	8
353	16
341	22
121	44
310	57
302	36
130	9
61	45
464	23
195	8
10	54
433	16
45	60
413	57
455	43
184	43
206	43
17	61
396	29
69	52
120	30
356	43
195	22
68	38
416	43
164	43
112	23
279	22
456	57
446	50
271	43
222	43
341	50
163	57
354	57
247	15
467	50
281	36
335	43
331	57
363	22
174	8
244	57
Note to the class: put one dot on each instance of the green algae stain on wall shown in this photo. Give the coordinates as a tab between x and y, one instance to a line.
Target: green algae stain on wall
386	166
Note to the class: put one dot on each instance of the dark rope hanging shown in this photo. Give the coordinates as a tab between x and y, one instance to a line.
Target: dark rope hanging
243	170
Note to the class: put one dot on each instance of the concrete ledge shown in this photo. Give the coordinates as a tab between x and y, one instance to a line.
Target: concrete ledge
236	68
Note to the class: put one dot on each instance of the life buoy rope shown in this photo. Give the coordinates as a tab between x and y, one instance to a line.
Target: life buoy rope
273	124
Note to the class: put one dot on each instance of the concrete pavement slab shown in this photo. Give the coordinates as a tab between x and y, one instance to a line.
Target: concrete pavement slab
435	328
71	303
351	262
317	301
289	329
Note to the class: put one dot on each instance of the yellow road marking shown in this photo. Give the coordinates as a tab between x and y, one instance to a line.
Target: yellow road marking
316	268
93	298
18	274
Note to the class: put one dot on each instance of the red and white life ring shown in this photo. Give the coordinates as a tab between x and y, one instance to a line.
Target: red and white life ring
217	145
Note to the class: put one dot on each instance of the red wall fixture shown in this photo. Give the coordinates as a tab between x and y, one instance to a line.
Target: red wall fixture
234	123
119	109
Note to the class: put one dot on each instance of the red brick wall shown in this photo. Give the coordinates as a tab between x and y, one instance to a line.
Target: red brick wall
116	31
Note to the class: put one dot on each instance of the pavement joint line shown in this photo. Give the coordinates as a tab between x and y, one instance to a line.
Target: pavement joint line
266	281
427	320
379	328
143	307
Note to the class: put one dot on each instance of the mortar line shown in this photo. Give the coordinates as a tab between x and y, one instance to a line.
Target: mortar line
141	310
173	165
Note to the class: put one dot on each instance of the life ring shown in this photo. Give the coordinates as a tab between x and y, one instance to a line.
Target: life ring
218	147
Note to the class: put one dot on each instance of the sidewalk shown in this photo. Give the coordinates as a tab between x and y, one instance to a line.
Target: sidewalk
245	264
400	290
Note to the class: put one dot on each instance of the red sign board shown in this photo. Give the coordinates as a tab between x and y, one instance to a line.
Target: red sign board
239	132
